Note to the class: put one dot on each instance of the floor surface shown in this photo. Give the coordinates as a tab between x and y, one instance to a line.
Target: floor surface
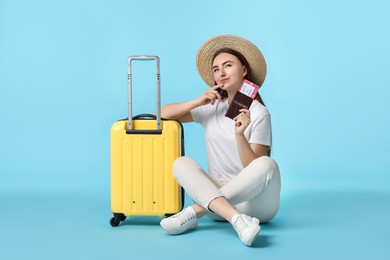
315	223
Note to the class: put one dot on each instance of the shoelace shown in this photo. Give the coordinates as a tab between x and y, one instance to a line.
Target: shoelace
184	216
240	224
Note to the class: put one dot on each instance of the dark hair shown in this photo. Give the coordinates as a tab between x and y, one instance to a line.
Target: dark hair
244	62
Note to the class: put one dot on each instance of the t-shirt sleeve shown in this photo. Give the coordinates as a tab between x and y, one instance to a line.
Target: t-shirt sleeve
261	133
196	114
199	114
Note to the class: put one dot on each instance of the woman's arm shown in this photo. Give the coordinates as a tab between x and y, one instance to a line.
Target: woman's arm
182	111
248	152
179	111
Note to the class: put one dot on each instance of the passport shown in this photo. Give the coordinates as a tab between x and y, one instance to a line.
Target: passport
243	98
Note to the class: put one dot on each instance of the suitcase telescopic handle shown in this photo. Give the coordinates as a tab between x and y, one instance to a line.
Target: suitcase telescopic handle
158	98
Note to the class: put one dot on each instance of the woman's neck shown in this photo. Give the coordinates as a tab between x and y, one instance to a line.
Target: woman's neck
231	96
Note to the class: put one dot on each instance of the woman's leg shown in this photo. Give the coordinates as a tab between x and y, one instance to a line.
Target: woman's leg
207	195
265	205
202	189
199	186
256	189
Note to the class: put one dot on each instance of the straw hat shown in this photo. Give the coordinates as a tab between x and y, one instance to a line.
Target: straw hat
251	53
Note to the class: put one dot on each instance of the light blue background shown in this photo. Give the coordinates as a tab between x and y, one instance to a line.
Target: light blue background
63	75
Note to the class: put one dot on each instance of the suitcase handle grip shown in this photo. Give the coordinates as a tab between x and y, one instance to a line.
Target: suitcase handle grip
144	131
144	116
158	87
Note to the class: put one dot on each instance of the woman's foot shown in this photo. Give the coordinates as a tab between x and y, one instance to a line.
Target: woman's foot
246	227
181	222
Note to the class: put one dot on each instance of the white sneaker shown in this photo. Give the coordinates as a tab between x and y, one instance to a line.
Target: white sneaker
246	227
180	222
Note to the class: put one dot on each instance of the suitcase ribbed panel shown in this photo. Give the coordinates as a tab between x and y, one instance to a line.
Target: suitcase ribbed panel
142	179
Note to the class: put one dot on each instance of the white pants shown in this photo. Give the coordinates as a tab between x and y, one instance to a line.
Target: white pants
255	191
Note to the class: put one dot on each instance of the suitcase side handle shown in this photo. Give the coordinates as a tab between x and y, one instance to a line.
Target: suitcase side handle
158	91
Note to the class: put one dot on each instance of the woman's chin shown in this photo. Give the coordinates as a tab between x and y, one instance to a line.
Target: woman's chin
230	88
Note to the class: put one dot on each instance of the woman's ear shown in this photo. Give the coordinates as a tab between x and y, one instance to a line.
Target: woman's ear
245	71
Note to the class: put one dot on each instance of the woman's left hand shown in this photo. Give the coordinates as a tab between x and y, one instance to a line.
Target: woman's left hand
242	121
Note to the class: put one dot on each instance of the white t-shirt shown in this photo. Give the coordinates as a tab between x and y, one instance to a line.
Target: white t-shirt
223	159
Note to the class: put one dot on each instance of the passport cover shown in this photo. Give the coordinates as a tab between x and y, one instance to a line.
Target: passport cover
242	99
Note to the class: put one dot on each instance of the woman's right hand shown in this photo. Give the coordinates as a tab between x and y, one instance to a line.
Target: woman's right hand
210	96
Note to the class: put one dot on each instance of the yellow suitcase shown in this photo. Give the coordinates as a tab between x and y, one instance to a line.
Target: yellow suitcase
142	154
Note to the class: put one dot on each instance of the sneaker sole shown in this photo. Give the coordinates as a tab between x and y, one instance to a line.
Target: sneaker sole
174	231
253	236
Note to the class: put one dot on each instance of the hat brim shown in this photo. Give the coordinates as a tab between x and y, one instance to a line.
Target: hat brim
252	54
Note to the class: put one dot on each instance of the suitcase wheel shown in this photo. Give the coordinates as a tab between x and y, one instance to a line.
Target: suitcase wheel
116	220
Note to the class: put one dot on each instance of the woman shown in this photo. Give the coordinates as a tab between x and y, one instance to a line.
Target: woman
241	181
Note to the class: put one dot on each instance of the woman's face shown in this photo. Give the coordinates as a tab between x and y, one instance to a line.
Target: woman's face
228	71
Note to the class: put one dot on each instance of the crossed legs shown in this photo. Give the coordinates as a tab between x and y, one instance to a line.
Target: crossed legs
255	190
